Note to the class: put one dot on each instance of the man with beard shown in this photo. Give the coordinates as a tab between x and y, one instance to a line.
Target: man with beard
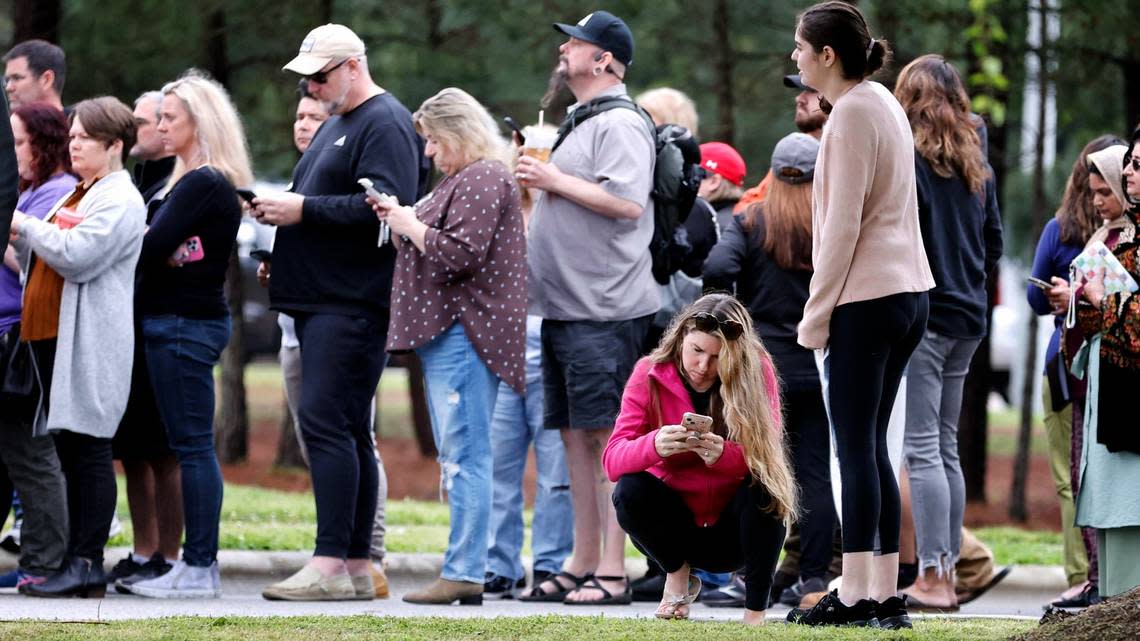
809	120
590	280
332	272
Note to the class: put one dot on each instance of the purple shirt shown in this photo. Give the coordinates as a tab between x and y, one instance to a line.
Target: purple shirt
37	202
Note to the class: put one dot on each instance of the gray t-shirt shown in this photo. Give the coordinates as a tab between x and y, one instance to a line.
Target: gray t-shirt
583	265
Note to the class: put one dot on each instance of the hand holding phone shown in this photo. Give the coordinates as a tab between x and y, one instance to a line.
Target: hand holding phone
1039	284
696	425
385	234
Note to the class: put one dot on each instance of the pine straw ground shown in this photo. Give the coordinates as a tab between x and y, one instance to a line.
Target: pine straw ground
1116	618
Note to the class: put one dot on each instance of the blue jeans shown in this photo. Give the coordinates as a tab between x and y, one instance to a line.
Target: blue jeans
461	398
518	422
181	354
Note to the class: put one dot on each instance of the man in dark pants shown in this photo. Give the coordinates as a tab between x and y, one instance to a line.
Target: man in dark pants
332	272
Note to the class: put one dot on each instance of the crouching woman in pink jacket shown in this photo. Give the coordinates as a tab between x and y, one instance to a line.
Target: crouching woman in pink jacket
717	501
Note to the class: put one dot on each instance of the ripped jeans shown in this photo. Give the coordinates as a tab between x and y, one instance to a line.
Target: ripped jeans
461	394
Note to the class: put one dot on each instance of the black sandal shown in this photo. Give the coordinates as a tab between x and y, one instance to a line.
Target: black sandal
594	582
539	595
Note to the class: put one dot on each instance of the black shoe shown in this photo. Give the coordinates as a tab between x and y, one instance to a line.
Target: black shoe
79	577
648	588
892	614
1089	596
155	567
793	595
831	611
908	574
728	596
497	585
124	568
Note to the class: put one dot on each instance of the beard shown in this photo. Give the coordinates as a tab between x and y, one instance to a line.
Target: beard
810	122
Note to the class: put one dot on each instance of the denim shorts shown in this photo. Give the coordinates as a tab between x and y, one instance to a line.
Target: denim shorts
585	365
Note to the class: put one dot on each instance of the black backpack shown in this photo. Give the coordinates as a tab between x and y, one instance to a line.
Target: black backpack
676	179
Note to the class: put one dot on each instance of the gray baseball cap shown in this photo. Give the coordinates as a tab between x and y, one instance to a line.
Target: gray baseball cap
793	159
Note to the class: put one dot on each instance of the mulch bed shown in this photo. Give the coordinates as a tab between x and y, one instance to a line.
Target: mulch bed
1115	618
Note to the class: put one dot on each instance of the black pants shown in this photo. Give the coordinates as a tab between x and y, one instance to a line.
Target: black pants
808	431
342	358
663	528
88	473
871	342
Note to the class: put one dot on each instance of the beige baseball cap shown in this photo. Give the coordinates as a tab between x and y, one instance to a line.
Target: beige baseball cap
323	45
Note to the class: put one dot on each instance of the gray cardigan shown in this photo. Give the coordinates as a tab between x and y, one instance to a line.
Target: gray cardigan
92	372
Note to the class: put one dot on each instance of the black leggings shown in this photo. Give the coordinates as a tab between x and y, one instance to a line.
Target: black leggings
664	529
871	342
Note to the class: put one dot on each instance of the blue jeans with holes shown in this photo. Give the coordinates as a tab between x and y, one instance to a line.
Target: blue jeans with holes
461	398
517	423
181	354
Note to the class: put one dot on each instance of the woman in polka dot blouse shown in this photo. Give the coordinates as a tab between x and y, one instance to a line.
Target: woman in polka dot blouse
459	301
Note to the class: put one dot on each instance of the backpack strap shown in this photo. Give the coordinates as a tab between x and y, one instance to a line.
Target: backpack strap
596	106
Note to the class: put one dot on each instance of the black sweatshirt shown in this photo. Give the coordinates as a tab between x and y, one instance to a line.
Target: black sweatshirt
775	298
329	263
203	204
963	238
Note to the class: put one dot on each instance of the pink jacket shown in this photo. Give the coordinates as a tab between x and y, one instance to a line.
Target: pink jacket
705	489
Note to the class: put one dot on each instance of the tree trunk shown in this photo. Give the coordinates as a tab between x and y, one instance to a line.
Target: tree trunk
1017	494
36	19
725	63
288	449
232	428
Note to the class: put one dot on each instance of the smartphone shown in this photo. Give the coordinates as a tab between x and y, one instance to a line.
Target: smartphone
246	195
375	195
696	425
190	251
263	255
1038	283
515	128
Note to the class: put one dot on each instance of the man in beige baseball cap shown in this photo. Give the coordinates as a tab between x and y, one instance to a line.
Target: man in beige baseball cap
323	45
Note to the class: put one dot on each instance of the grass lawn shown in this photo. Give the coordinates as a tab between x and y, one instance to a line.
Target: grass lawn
549	628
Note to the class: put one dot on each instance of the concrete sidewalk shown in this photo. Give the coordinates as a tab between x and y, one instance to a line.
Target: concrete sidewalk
244	574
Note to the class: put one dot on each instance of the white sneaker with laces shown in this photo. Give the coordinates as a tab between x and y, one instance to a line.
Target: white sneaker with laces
182	582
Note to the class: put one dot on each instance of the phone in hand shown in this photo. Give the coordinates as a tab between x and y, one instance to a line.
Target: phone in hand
1039	284
385	233
519	137
696	425
246	195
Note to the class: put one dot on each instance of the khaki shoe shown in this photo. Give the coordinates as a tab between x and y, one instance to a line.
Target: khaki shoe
379	582
309	585
445	592
362	588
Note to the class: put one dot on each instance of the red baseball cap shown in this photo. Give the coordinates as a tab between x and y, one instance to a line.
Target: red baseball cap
722	159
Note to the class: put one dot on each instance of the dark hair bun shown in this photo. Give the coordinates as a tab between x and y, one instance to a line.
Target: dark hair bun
880	56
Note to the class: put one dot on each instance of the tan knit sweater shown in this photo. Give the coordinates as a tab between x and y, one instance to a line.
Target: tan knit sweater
866	241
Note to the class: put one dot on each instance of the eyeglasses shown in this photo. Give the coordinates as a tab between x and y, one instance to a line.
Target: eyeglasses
1134	161
321	77
709	323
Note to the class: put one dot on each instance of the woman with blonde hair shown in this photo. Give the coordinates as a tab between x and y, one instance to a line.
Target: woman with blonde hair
186	322
961	226
714	499
459	301
765	256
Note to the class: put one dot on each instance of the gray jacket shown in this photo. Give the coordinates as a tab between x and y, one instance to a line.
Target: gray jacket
91	377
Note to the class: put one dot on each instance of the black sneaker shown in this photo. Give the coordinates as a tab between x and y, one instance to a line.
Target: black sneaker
1089	596
155	567
496	585
648	588
728	596
892	614
831	611
124	568
793	595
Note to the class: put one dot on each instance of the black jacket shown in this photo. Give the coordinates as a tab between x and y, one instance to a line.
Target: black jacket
9	178
774	296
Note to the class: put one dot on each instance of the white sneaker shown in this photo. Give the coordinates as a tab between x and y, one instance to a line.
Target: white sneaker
116	527
181	582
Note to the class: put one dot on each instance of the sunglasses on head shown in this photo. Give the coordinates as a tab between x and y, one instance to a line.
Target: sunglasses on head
709	323
321	77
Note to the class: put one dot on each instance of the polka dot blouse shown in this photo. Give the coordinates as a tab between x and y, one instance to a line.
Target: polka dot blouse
473	271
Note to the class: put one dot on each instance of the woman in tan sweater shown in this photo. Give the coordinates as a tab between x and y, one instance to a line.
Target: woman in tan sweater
867	305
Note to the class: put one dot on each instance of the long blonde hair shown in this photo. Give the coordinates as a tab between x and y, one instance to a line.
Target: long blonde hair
221	138
462	125
742	398
667	105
